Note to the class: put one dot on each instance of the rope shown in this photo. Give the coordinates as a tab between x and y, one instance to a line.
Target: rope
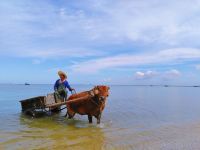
91	97
73	92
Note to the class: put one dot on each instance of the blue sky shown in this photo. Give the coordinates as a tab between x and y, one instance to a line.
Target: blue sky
100	41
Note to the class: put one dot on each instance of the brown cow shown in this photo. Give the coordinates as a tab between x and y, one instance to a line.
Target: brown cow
90	103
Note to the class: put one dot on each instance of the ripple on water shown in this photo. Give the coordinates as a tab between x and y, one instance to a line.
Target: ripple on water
140	118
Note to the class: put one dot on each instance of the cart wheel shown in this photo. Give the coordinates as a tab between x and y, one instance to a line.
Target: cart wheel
55	109
30	112
65	115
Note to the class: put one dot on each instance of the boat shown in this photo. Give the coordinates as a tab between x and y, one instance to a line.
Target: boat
196	86
26	83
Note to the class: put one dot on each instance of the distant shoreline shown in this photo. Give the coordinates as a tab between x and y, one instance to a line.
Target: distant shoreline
150	85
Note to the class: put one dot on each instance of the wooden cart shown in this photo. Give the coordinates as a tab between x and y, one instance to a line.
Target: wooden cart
41	104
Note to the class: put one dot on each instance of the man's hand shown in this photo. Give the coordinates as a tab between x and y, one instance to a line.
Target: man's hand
72	89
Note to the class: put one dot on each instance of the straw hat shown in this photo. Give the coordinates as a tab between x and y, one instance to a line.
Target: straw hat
62	73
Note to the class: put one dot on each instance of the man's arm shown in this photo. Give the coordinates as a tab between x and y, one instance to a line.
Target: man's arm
56	85
68	86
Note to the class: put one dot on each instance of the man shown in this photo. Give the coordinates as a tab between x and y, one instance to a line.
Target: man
60	87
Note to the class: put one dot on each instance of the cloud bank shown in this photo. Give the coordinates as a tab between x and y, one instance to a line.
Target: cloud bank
97	37
169	56
166	75
45	29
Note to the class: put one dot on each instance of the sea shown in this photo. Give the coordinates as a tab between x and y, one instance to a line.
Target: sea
135	118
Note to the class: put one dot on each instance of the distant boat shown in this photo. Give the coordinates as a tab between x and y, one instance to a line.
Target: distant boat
26	84
166	85
196	86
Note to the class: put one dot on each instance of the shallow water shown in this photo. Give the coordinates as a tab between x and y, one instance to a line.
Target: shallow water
135	117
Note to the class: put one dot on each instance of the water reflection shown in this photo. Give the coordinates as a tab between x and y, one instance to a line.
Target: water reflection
58	132
134	118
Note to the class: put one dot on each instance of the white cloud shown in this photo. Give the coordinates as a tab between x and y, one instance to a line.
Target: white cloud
170	74
170	56
197	67
107	80
139	74
156	32
55	53
145	75
36	61
173	73
148	21
27	25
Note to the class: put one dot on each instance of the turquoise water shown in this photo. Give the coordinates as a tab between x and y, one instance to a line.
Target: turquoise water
135	117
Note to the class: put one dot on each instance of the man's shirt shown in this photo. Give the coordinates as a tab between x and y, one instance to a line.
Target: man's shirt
59	82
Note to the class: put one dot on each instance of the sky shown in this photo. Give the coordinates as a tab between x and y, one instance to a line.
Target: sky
100	41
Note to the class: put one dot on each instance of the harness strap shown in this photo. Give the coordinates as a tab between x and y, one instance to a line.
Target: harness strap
92	96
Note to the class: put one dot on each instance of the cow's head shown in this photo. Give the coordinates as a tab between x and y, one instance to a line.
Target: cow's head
101	91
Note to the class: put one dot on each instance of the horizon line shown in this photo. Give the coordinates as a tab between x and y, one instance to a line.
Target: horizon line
165	85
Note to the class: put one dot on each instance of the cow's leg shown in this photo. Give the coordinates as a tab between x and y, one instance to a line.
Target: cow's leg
90	118
70	114
99	118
